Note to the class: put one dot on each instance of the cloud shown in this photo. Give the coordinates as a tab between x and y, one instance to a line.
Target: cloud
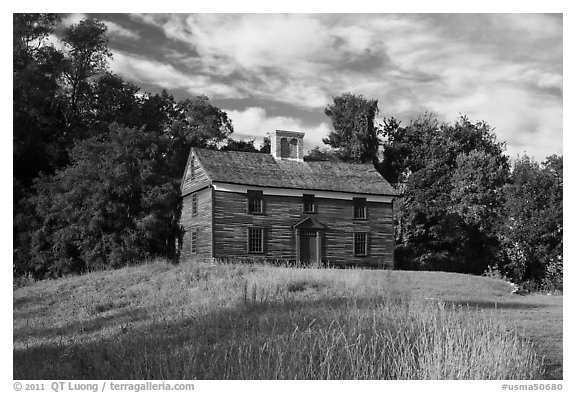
253	122
118	31
502	68
72	19
538	132
158	73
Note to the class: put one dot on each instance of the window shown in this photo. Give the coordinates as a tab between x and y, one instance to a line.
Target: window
192	168
293	148
255	202
360	208
194	203
360	243
309	203
284	148
255	240
194	241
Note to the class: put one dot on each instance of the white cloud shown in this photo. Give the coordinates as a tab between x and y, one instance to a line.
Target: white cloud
254	123
115	29
538	132
509	73
162	74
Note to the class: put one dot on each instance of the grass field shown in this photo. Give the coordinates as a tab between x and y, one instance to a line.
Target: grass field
216	321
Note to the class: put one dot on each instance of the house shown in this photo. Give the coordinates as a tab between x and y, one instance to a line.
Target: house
279	207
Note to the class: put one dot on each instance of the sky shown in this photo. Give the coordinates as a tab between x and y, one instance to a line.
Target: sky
279	71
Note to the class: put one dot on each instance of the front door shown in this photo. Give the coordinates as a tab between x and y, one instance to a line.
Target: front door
308	246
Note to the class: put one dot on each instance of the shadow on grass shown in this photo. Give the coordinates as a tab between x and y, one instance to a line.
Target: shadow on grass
109	356
115	320
157	350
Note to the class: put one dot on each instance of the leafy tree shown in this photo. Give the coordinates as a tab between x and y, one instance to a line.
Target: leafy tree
531	234
233	145
197	123
119	199
477	194
87	56
355	137
114	100
37	68
318	154
103	209
450	176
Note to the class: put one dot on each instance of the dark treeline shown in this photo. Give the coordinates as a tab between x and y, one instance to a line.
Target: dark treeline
98	164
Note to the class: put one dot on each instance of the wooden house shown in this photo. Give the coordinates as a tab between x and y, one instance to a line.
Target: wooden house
279	207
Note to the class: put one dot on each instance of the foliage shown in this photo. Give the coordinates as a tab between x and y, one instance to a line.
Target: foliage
355	137
110	207
531	234
87	56
97	163
37	115
451	177
234	145
318	154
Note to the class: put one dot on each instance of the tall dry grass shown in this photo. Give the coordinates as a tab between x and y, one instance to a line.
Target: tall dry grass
263	322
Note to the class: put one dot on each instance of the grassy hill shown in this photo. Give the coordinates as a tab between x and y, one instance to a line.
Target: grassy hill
215	321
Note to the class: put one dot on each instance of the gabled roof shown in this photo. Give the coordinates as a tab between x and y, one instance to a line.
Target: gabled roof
259	169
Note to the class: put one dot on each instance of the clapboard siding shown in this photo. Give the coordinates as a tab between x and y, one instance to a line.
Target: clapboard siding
194	175
202	222
231	222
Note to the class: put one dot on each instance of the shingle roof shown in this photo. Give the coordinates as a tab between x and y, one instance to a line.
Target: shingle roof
258	169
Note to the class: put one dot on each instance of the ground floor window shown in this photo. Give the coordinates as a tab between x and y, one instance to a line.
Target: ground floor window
255	240
360	243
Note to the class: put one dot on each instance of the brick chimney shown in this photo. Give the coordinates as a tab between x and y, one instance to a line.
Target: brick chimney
287	145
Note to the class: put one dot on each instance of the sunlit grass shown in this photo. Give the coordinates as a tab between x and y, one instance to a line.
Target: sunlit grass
201	321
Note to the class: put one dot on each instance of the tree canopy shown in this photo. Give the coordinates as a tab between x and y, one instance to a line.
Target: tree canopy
355	136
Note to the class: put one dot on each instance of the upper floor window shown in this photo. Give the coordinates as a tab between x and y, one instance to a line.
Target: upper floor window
256	240
255	205
360	243
194	203
360	208
309	203
194	241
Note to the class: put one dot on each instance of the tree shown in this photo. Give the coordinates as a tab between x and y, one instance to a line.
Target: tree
110	207
318	154
37	68
197	123
451	177
477	194
114	100
355	137
531	234
86	57
118	201
233	145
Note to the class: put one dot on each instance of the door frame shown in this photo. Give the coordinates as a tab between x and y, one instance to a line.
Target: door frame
298	234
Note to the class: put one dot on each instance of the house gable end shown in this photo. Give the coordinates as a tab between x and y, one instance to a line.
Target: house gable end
195	176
